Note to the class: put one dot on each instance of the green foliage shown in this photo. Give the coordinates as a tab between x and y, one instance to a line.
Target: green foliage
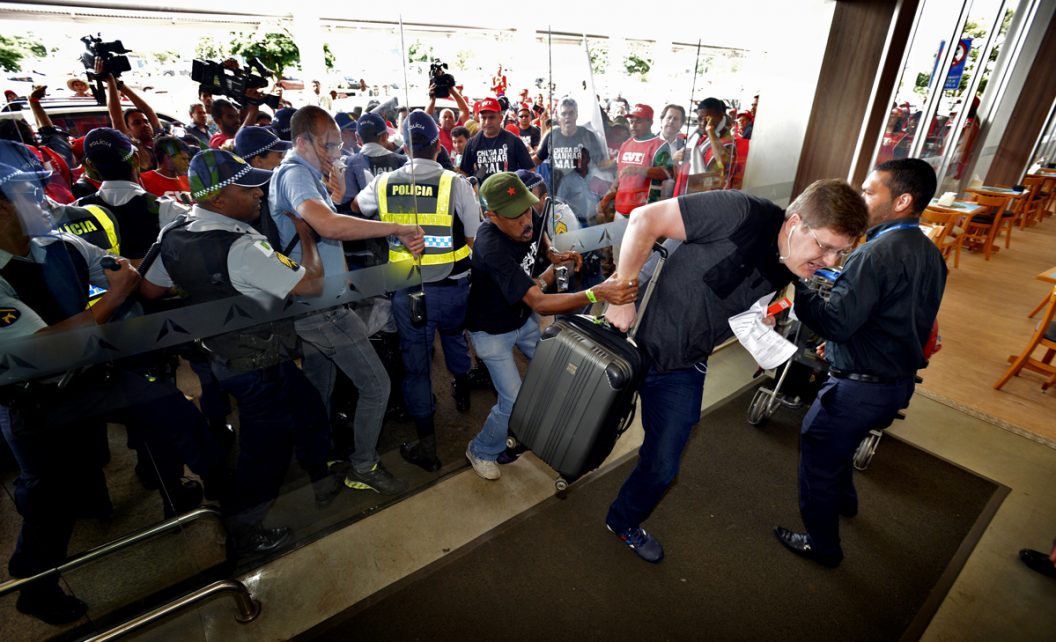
209	49
418	52
599	58
276	50
921	85
636	64
15	49
165	57
328	57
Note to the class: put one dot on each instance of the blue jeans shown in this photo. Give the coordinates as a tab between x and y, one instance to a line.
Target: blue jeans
496	351
445	311
338	339
670	409
839	419
280	413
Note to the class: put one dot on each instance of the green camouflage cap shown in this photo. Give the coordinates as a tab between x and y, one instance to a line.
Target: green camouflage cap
214	169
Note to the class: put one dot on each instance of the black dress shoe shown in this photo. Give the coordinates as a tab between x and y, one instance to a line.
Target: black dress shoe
413	453
50	605
261	541
460	389
1038	561
183	497
327	489
800	544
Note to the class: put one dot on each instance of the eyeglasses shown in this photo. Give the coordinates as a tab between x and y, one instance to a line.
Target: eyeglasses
827	250
329	147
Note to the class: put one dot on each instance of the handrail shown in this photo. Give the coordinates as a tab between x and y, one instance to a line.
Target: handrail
248	608
112	547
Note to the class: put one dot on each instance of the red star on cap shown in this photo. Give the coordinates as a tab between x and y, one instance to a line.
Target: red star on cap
511	191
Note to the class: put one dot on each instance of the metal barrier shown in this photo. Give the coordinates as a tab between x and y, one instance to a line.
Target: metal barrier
112	547
248	608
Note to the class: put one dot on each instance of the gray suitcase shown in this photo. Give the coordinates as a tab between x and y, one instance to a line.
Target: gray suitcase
580	390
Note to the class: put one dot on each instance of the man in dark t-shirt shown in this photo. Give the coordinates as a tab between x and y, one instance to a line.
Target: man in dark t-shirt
736	249
564	145
493	149
505	297
530	134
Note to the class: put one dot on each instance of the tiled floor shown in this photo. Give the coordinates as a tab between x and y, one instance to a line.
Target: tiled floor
995	597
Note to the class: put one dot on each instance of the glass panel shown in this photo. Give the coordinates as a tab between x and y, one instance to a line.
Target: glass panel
936	21
131	421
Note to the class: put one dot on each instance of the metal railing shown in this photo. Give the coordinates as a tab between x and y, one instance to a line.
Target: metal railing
248	608
112	547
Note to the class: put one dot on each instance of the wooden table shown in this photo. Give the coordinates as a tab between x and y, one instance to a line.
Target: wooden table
1048	276
989	190
964	208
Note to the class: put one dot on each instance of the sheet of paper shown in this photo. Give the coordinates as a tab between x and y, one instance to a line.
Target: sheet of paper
767	347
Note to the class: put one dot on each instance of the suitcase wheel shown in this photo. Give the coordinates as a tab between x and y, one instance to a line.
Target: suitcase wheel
759	408
867	449
560	484
511	441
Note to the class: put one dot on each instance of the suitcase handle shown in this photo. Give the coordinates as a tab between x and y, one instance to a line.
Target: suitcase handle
662	251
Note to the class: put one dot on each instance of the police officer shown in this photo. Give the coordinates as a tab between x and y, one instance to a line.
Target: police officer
876	321
53	430
444	204
216	255
139	214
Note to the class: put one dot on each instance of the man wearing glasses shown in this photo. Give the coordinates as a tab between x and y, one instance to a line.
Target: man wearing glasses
876	321
302	185
735	250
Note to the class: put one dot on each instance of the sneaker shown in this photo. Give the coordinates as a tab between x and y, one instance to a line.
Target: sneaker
486	468
377	479
642	543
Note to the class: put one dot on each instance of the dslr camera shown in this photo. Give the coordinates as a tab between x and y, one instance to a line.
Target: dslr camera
114	62
442	81
218	79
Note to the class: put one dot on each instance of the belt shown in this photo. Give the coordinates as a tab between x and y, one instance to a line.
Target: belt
863	378
449	282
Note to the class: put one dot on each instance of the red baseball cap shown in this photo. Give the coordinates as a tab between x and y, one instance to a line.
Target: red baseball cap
641	111
488	104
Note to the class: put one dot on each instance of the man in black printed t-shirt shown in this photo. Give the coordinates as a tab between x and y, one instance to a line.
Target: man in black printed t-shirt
506	295
530	134
493	149
564	145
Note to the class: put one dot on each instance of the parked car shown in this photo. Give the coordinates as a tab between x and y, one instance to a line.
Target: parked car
78	116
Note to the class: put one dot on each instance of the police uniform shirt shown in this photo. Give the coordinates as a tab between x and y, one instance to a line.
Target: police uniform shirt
256	269
464	202
121	192
16	318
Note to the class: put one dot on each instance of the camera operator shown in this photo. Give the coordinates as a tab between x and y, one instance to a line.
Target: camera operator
447	120
138	123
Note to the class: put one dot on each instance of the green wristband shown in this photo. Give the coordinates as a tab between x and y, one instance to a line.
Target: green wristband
590	295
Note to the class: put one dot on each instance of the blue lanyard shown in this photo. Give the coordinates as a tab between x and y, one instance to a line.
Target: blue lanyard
900	226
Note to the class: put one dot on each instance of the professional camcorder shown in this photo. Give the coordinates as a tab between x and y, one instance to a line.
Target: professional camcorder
443	82
113	58
220	79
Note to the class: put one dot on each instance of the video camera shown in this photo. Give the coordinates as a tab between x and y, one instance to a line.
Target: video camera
443	82
218	79
114	62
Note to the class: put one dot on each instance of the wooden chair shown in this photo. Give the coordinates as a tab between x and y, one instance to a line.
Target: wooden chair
950	237
982	229
1045	337
1030	210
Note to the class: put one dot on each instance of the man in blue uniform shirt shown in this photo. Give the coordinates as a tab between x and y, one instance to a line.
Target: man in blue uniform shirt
876	322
